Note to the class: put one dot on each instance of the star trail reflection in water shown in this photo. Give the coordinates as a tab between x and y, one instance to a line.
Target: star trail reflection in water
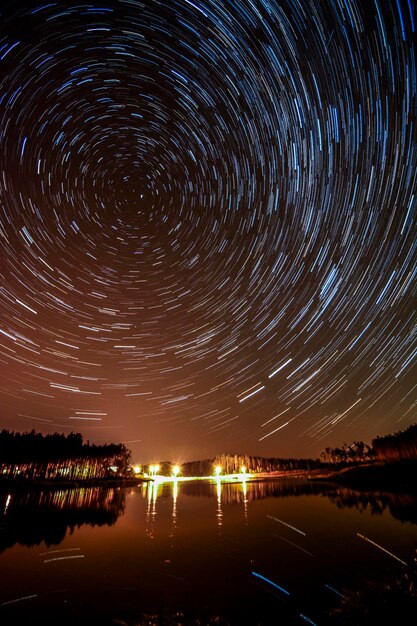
201	551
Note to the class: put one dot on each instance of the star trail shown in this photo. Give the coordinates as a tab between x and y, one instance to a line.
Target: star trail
208	222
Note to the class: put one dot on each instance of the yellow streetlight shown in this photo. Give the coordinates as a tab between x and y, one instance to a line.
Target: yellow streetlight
175	470
218	470
137	469
243	470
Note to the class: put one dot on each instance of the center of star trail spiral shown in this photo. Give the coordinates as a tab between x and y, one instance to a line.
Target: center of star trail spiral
208	220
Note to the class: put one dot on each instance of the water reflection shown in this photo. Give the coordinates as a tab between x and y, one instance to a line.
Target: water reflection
401	506
30	518
53	513
392	600
245	500
174	506
249	490
205	552
219	513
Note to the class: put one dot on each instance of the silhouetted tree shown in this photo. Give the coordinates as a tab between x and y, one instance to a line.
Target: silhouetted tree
33	455
398	446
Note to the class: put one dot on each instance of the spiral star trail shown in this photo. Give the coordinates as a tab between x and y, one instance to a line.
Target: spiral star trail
208	222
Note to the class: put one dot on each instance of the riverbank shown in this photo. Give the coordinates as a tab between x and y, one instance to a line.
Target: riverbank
398	477
107	483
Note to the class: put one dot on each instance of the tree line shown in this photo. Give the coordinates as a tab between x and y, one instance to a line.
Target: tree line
394	447
398	446
32	455
233	464
356	452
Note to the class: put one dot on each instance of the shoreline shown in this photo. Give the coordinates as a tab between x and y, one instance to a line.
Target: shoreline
394	477
398	476
39	485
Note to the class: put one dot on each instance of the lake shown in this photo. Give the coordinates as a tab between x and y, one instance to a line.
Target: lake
255	553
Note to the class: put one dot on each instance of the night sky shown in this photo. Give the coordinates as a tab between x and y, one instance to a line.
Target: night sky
208	223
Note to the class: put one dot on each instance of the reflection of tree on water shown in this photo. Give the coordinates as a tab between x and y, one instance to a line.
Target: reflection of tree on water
401	506
253	490
391	601
30	518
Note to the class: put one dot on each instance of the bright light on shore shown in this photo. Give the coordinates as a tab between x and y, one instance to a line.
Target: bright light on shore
153	469
218	477
218	470
175	470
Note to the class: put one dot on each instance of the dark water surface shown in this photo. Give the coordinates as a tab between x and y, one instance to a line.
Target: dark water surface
265	553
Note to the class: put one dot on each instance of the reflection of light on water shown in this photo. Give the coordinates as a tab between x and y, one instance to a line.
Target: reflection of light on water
271	582
245	500
9	497
226	478
175	493
64	558
148	490
174	506
88	497
381	548
219	513
297	530
154	499
35	595
225	492
49	552
152	494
